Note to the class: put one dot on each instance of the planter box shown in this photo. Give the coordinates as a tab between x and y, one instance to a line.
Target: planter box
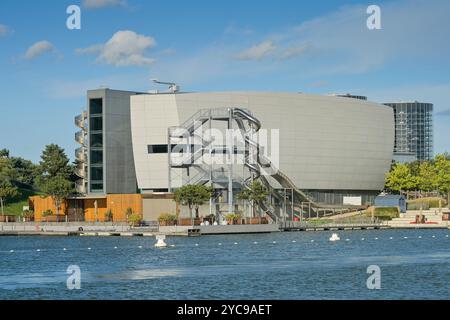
54	219
167	223
252	220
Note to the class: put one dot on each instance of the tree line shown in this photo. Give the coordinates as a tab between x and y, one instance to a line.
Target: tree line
425	176
52	176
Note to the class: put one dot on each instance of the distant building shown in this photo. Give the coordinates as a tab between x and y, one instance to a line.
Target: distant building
413	129
105	161
404	157
391	200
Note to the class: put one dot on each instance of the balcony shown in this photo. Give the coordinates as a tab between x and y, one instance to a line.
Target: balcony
80	137
80	154
80	120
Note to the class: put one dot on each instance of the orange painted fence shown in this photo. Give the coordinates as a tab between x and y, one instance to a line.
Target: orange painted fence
94	209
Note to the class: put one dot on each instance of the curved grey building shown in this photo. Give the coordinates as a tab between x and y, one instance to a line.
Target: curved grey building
329	147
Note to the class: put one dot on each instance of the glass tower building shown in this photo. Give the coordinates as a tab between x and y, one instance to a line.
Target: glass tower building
413	129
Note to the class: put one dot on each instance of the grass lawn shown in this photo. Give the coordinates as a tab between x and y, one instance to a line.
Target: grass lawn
15	206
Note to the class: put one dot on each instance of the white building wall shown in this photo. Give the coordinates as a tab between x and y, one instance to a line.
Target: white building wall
328	143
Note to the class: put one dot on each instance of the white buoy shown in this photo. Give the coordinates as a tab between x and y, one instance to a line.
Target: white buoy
293	241
89	248
235	243
140	247
334	237
420	237
312	240
274	242
433	236
446	236
219	244
64	249
115	247
405	237
347	239
11	251
160	241
38	250
390	238
172	245
196	244
255	242
362	239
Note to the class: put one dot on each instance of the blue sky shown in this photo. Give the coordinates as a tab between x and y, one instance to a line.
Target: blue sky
315	46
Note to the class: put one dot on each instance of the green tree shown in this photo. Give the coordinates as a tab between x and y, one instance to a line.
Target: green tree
54	162
255	194
25	171
193	196
442	164
400	178
4	153
427	177
7	189
54	175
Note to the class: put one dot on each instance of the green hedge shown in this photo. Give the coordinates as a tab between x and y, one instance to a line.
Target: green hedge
425	203
384	213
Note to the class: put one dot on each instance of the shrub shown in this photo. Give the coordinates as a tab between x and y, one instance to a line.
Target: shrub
128	213
167	217
135	218
109	215
47	213
425	203
383	213
28	213
232	217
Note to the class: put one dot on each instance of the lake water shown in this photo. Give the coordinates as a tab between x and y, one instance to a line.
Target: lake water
299	265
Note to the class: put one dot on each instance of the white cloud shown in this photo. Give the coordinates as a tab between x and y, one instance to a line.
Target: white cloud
38	49
257	52
125	48
293	51
96	4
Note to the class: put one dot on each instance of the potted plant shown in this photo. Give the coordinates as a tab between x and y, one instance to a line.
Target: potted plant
28	215
134	219
128	214
109	215
233	218
167	219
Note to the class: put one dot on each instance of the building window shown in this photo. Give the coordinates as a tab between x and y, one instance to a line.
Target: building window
95	106
96	187
157	148
96	157
96	140
96	173
96	123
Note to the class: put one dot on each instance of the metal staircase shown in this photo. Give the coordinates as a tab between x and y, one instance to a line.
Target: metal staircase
284	203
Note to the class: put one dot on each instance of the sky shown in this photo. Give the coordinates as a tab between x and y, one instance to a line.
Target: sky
281	46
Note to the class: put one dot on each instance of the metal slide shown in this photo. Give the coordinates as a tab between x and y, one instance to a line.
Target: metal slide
255	161
263	162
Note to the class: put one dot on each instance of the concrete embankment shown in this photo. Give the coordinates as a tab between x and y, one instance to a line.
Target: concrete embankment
87	229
